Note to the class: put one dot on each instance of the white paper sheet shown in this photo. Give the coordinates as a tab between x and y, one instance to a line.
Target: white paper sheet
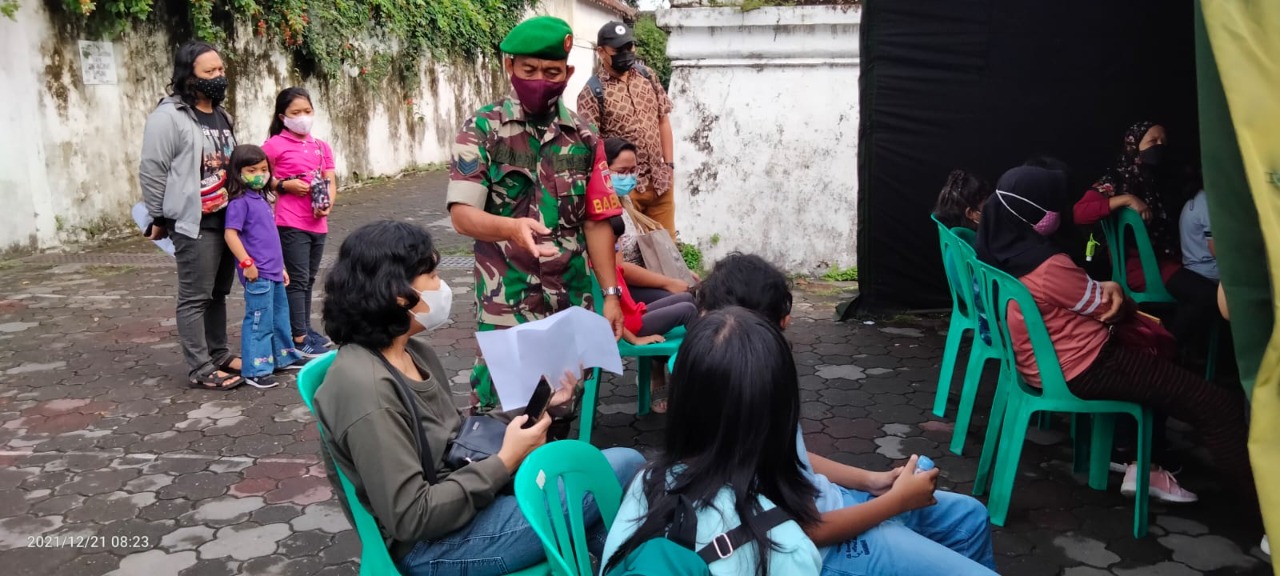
567	341
141	218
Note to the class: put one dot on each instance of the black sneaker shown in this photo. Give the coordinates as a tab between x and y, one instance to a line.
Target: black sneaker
295	366
317	340
263	382
309	349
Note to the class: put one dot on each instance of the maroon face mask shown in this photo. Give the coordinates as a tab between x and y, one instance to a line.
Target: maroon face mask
537	96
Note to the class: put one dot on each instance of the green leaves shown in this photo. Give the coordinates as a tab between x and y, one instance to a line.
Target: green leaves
328	35
652	47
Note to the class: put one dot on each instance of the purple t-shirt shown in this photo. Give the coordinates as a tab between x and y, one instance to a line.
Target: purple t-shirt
309	158
251	216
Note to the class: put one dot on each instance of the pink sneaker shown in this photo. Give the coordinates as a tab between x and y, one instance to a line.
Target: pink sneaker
1163	486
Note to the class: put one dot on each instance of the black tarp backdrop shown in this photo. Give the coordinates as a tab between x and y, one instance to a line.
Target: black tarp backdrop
984	84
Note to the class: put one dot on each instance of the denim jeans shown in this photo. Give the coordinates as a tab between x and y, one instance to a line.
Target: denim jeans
500	540
265	342
951	537
302	253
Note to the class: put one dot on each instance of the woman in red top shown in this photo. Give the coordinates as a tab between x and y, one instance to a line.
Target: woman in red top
1139	181
1080	313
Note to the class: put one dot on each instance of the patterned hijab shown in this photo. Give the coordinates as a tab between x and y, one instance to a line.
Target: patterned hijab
1128	177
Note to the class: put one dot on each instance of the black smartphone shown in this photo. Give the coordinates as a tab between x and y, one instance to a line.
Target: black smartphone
537	403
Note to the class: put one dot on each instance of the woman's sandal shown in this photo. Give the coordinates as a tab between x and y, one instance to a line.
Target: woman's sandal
216	380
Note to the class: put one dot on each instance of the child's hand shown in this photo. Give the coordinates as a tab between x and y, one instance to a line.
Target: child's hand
879	483
251	273
645	340
914	491
323	213
286	278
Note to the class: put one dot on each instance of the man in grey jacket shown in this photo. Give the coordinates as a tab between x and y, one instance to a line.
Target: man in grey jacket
186	147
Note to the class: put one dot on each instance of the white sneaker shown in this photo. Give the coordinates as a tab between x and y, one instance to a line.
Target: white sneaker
1163	486
1266	546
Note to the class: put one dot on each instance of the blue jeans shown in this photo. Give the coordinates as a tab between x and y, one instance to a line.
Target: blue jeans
500	540
951	537
266	343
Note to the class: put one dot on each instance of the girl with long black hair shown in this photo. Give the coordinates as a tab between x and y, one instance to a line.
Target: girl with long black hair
730	451
303	167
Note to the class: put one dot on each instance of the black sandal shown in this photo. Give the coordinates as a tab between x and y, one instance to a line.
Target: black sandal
215	381
225	364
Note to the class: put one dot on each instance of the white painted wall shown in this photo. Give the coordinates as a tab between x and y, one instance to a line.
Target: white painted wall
69	155
766	127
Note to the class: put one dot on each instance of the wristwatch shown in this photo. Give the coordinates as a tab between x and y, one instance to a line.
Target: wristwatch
246	263
614	291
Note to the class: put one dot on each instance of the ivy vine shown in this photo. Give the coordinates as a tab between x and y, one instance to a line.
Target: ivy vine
327	37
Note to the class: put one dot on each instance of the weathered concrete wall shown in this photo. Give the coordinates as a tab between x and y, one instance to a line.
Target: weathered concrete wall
69	152
766	126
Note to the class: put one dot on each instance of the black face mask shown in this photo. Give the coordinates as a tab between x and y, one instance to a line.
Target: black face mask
623	61
1152	157
213	88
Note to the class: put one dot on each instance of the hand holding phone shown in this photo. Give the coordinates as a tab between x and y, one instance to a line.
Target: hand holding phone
537	403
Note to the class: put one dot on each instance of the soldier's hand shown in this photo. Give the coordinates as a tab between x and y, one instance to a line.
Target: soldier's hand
525	234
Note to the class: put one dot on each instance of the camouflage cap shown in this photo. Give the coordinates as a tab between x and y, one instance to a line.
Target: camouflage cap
544	37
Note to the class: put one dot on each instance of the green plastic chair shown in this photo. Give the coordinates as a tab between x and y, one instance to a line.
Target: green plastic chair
1117	228
1016	403
957	257
591	389
375	559
555	478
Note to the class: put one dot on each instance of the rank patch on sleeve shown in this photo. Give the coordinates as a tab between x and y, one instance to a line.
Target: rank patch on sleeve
467	167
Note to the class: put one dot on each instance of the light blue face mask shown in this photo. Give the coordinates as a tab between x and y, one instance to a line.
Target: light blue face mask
623	184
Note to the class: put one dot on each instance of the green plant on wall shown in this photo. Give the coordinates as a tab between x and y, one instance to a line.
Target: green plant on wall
326	36
9	8
651	46
692	256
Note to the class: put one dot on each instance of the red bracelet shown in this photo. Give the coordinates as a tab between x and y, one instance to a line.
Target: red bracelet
246	263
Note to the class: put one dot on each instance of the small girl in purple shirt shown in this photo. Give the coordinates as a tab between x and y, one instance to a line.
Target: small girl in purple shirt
265	341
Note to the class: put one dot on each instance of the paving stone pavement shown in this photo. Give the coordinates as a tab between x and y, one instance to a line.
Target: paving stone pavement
110	465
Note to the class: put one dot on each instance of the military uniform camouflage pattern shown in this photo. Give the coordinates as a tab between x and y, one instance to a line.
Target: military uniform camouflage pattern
555	174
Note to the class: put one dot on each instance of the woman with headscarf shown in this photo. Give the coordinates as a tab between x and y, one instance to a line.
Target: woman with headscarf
1081	315
1140	181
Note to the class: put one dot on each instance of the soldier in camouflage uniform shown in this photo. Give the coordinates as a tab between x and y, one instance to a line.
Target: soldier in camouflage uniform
530	183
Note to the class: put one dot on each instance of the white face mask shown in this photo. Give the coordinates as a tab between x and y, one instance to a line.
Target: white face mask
299	124
440	302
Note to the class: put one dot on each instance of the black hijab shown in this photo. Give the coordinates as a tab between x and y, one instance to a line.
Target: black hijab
1006	237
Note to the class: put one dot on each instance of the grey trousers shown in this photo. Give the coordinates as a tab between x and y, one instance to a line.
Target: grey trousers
206	269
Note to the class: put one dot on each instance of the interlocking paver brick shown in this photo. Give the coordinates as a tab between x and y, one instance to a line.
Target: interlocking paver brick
279	565
97	482
305	544
188	538
345	547
224	511
155	563
215	567
245	541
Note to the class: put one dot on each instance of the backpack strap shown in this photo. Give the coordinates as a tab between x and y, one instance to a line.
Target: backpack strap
597	88
723	545
415	422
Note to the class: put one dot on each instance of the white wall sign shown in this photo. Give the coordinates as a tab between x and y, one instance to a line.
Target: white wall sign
97	62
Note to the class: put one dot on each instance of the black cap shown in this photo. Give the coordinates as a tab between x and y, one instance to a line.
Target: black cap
615	35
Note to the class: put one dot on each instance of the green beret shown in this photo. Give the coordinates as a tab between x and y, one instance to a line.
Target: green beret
545	37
